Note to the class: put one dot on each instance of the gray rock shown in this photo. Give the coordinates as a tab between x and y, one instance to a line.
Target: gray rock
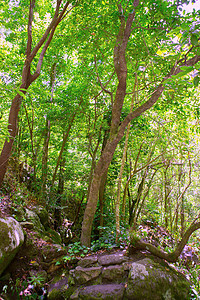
151	280
113	274
11	239
112	259
107	291
87	261
84	275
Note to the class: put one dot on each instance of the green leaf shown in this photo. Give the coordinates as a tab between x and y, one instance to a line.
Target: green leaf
196	81
21	94
186	68
180	74
194	40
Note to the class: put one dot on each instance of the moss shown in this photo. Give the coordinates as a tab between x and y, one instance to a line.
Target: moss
60	294
5	237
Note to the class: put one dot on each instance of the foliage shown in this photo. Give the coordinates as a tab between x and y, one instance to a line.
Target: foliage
25	289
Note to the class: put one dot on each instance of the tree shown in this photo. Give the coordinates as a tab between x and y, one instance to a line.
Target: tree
27	77
181	66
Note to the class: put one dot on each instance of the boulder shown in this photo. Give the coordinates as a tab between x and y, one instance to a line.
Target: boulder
152	280
11	239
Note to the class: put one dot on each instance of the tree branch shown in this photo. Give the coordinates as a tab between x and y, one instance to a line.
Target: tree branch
44	37
170	257
30	20
52	30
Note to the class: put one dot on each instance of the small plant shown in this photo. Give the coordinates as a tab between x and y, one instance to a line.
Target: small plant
74	250
77	249
37	280
107	239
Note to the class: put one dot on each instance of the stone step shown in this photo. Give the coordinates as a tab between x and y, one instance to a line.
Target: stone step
95	292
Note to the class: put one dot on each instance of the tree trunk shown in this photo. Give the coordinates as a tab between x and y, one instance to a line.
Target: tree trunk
137	200
166	196
145	195
45	159
47	137
102	187
124	198
117	209
12	129
57	212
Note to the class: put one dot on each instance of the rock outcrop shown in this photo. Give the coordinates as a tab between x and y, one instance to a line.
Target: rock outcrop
11	239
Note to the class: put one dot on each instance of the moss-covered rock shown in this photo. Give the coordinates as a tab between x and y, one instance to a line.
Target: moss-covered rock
11	239
43	215
151	280
107	291
32	217
60	290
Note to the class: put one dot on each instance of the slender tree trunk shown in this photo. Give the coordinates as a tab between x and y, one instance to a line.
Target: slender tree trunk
47	137
124	198
101	198
34	156
57	212
45	159
137	201
102	187
166	196
117	210
145	195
